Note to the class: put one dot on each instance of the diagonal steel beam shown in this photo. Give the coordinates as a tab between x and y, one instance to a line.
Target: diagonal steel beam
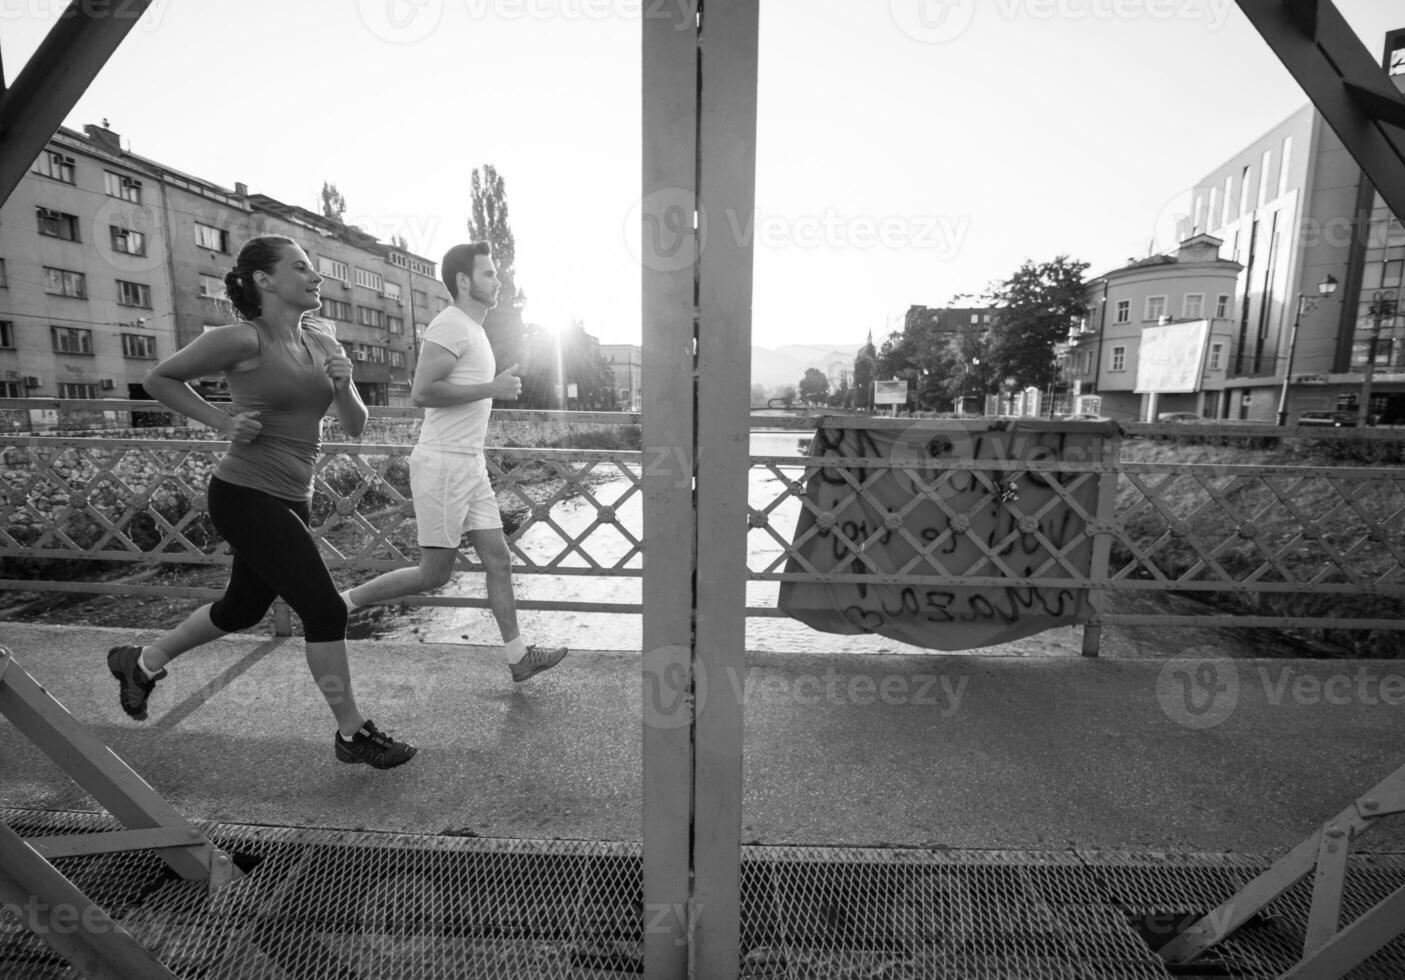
1345	83
55	77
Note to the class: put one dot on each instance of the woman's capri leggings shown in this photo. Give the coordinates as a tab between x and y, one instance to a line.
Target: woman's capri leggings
274	555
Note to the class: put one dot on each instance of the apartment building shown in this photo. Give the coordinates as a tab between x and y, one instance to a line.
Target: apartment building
1180	306
626	362
110	261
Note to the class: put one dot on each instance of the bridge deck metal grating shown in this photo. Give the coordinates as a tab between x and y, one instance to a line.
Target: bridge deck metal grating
357	905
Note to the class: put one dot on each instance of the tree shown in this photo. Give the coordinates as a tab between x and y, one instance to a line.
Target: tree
333	204
507	333
399	242
787	395
1034	309
865	363
758	396
814	386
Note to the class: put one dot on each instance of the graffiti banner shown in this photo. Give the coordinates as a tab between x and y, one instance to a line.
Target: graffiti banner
916	520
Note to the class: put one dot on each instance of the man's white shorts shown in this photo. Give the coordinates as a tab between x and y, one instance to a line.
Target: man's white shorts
452	495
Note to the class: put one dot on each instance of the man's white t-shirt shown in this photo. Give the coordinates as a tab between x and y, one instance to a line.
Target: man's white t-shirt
460	428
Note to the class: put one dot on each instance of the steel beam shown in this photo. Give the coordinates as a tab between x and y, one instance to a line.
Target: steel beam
55	77
669	247
1344	81
56	911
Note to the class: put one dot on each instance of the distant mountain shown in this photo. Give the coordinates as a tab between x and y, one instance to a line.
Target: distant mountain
787	365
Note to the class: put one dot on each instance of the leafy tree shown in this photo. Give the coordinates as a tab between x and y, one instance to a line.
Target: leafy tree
787	396
333	204
814	386
865	363
400	242
758	396
509	336
1034	309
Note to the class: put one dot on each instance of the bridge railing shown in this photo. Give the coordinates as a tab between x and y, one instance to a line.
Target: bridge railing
1312	547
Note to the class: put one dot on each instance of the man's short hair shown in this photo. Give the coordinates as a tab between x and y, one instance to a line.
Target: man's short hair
458	259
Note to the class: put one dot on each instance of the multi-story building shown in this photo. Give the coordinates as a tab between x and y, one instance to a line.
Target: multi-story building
1294	208
110	261
1178	309
627	363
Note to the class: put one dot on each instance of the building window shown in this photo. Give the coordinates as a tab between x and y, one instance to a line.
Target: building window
1124	311
211	287
10	389
1283	160
1228	199
397	358
368	317
395	324
55	166
1245	176
78	389
392	291
215	239
128	242
4	283
1119	359
421	299
1193	306
1155	308
371	280
120	185
138	345
1222	306
1213	211
331	268
1263	176
57	224
71	340
377	354
7	335
335	309
65	282
1216	356
133	294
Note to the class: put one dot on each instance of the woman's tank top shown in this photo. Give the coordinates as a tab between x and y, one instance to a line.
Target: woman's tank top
291	397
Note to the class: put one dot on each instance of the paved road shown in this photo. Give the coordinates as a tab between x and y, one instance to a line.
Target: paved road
961	751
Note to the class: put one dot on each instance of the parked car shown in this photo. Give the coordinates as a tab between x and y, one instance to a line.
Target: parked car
1338	420
1084	417
1179	417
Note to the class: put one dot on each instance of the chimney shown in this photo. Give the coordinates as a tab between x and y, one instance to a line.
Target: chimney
241	189
104	137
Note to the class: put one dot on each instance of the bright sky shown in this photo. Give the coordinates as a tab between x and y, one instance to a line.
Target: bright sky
908	150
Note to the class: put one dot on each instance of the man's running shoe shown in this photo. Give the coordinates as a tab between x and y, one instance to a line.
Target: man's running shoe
133	687
373	747
536	660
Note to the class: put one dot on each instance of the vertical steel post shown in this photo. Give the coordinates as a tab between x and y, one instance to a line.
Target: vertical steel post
668	256
727	181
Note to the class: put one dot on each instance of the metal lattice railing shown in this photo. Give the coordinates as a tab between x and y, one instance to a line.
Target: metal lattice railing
1290	543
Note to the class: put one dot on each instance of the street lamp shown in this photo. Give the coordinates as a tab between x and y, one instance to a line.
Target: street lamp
1382	306
1306	302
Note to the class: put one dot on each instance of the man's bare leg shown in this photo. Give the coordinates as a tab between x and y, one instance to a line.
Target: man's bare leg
435	569
525	661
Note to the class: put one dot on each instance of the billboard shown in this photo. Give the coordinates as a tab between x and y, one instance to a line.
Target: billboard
890	392
1171	357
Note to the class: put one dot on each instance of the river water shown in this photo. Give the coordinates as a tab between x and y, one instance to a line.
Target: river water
619	631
